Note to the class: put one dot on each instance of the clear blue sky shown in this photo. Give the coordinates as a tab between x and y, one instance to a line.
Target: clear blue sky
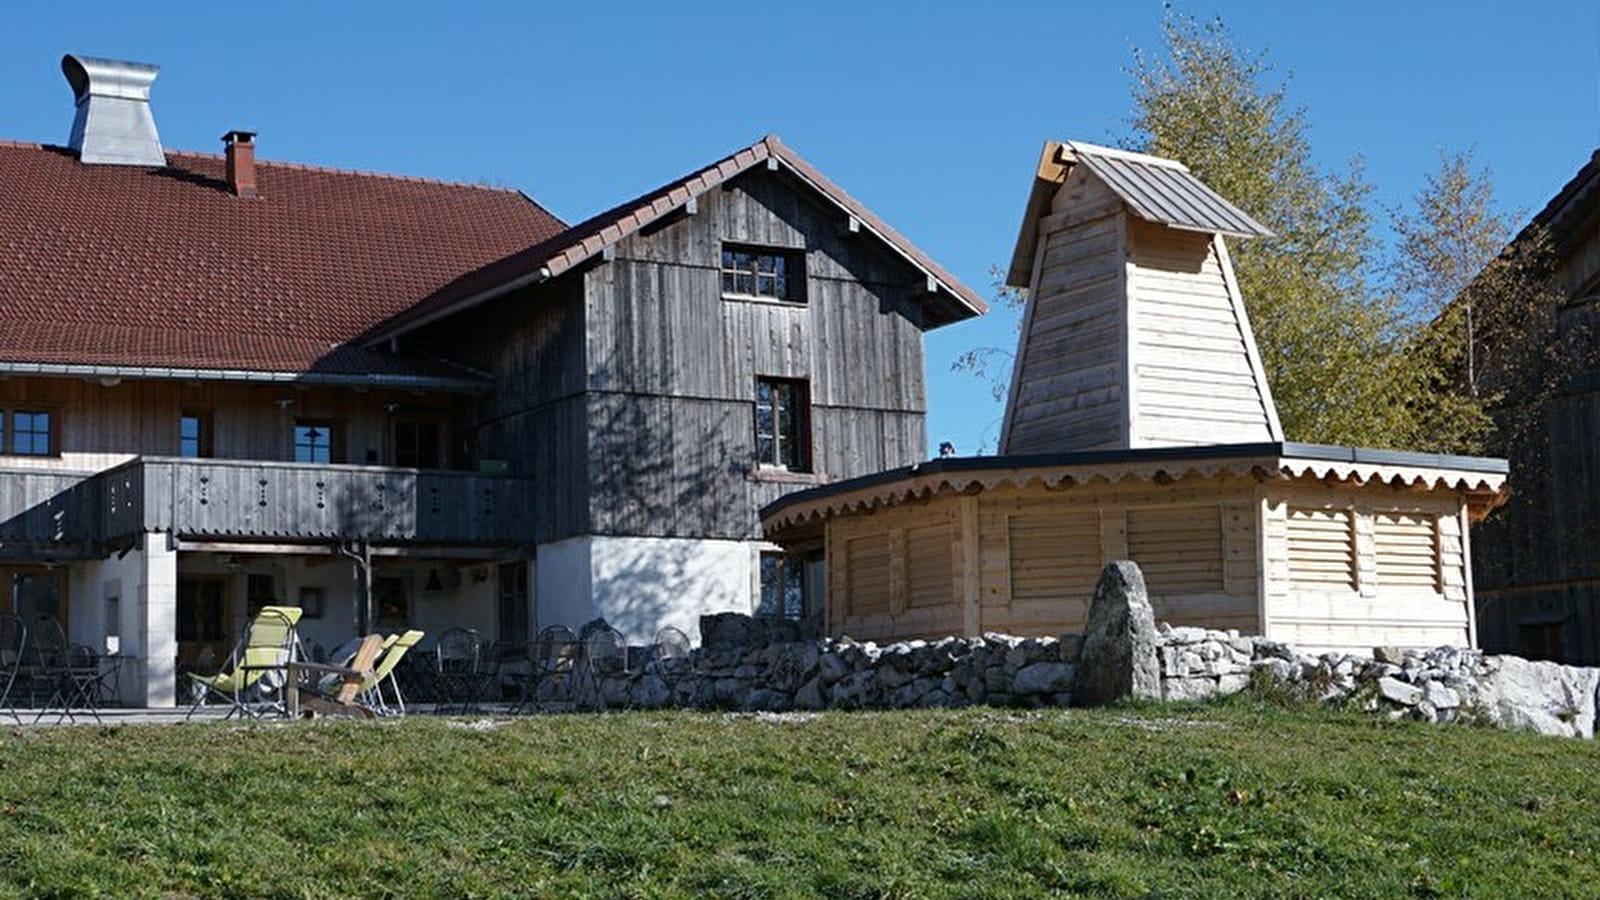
930	113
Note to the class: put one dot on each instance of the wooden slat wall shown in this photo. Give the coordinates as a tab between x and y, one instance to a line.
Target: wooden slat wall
673	366
1322	549
1068	392
101	426
1406	583
1194	382
893	575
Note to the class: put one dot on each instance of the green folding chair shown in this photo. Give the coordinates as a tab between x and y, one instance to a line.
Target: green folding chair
268	646
372	688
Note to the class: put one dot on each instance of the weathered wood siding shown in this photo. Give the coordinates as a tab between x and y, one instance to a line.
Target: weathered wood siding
100	426
672	365
1536	560
1071	368
1353	570
1193	378
537	417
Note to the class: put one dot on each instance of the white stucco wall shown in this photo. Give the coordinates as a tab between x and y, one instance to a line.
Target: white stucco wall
641	584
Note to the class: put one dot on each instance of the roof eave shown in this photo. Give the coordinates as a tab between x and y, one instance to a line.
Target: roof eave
180	373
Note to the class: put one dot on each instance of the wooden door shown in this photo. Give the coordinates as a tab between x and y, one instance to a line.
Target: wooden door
204	641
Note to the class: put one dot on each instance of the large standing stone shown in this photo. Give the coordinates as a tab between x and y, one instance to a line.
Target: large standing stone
1119	641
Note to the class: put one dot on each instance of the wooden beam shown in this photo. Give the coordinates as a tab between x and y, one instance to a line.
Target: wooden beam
691	206
772	164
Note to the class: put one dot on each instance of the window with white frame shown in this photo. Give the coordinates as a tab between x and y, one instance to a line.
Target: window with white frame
763	273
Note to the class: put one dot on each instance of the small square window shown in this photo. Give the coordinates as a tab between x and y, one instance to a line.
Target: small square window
313	442
763	273
783	424
31	433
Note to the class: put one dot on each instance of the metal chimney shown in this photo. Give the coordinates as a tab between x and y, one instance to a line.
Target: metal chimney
113	125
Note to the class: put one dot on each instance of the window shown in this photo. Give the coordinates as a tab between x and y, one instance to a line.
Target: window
313	442
390	601
416	445
27	432
194	434
783	586
201	605
765	273
783	439
260	590
513	611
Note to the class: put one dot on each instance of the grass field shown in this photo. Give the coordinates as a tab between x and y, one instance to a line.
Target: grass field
1236	800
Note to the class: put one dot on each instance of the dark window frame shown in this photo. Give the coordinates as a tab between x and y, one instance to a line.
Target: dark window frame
330	430
781	581
417	455
11	418
204	440
787	448
767	274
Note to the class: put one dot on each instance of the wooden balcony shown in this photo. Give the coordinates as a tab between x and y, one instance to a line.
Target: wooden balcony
253	500
46	513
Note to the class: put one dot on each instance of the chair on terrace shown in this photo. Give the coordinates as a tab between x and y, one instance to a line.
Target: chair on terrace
256	667
674	658
13	645
605	653
556	659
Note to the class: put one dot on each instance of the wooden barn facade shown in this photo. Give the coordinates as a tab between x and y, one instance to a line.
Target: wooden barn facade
1140	426
1539	569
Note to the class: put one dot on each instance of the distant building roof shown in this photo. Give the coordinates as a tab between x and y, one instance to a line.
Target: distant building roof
590	237
164	267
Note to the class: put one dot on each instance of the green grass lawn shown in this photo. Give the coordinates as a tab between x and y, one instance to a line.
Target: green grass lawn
1235	800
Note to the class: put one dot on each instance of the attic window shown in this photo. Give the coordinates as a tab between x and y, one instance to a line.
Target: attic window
763	273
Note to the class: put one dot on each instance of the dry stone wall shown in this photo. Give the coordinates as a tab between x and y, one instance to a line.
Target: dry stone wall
752	664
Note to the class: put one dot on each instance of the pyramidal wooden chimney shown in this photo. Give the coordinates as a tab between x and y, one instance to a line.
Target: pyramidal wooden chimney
1134	334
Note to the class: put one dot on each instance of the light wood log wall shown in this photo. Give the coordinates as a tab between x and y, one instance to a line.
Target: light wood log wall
1072	365
1351	570
1331	568
1193	378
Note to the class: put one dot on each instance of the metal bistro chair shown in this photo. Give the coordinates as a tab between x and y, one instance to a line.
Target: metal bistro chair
458	661
13	647
605	652
556	653
674	658
78	683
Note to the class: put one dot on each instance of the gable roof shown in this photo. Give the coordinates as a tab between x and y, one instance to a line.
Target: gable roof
1155	189
564	251
164	269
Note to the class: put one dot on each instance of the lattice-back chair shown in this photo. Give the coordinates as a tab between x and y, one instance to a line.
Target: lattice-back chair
458	661
44	658
13	645
556	659
674	658
605	653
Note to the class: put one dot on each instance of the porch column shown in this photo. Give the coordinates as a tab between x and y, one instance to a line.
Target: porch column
156	624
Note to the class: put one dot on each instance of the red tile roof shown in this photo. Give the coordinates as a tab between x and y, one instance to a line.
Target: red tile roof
586	239
133	266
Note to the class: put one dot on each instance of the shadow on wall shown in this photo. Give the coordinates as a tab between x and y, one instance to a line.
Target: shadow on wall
649	584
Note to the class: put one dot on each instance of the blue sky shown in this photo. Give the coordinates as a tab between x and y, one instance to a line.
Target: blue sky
930	113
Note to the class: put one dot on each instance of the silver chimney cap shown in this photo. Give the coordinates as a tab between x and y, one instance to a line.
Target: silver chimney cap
113	125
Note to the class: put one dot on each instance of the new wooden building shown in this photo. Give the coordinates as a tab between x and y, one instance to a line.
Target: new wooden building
226	382
1140	426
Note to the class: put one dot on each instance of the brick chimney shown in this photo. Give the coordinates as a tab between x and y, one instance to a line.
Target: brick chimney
240	148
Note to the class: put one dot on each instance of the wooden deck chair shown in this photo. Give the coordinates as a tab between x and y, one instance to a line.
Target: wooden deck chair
336	694
268	645
394	651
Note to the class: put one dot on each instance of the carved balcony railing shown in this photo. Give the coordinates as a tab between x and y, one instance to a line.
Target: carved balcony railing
253	500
